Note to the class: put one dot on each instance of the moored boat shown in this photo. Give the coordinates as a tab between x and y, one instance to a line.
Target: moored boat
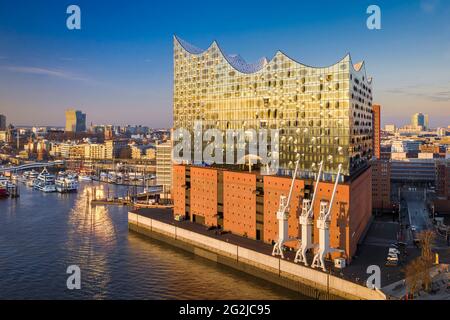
3	192
66	184
30	176
45	182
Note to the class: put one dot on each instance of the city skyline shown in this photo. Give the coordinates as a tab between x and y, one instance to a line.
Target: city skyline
73	69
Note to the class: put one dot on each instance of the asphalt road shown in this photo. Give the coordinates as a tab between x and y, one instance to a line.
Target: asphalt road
417	210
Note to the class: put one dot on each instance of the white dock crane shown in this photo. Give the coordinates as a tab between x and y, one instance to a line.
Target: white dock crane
282	216
306	222
323	224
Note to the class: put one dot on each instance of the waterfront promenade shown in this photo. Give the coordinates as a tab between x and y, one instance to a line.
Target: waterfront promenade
247	255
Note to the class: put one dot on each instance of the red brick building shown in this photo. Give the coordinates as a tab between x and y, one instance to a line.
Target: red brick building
442	202
381	185
376	124
246	204
443	179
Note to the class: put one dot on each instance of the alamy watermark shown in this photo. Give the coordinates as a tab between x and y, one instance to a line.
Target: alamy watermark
74	280
73	22
232	146
374	280
374	20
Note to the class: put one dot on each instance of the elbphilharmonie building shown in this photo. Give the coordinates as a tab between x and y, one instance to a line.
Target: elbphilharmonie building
322	113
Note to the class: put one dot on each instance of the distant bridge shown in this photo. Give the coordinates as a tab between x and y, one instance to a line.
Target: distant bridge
33	165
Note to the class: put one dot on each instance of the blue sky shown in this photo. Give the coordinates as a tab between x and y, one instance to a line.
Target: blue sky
118	67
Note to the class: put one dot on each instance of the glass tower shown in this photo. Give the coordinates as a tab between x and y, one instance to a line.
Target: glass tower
75	121
322	113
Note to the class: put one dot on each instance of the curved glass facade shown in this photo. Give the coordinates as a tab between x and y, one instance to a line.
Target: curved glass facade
321	113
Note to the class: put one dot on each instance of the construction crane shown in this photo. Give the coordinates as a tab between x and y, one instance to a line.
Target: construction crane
282	216
306	222
323	224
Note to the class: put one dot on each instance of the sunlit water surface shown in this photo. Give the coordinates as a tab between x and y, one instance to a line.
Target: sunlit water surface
42	234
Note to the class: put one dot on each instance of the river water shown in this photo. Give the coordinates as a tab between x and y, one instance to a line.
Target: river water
42	234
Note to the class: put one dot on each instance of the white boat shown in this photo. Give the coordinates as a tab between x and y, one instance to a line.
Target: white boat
6	183
66	184
45	182
30	176
84	178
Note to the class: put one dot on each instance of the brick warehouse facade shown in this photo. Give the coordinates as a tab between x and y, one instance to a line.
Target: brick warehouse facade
381	185
376	124
246	204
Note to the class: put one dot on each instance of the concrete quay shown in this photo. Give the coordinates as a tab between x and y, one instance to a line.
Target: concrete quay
246	255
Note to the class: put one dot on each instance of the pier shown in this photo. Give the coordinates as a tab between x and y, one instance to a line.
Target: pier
247	255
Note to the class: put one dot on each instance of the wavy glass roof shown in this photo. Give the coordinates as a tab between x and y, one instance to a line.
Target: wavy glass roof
238	63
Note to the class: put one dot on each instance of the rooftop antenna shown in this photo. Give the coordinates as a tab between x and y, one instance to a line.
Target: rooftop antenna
306	221
282	216
323	224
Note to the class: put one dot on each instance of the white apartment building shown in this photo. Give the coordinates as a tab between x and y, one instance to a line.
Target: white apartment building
164	165
95	151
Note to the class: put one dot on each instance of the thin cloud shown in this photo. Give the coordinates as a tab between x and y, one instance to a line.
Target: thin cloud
430	93
61	74
71	59
441	96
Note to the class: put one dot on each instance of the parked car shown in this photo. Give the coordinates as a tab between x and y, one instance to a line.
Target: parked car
394	251
392	258
391	263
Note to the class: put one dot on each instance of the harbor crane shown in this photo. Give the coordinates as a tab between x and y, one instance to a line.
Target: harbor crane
323	224
282	216
306	221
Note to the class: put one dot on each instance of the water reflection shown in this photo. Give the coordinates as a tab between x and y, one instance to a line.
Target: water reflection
92	238
42	234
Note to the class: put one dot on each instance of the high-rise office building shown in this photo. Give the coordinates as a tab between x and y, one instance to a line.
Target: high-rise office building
376	118
419	119
2	122
75	121
321	114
